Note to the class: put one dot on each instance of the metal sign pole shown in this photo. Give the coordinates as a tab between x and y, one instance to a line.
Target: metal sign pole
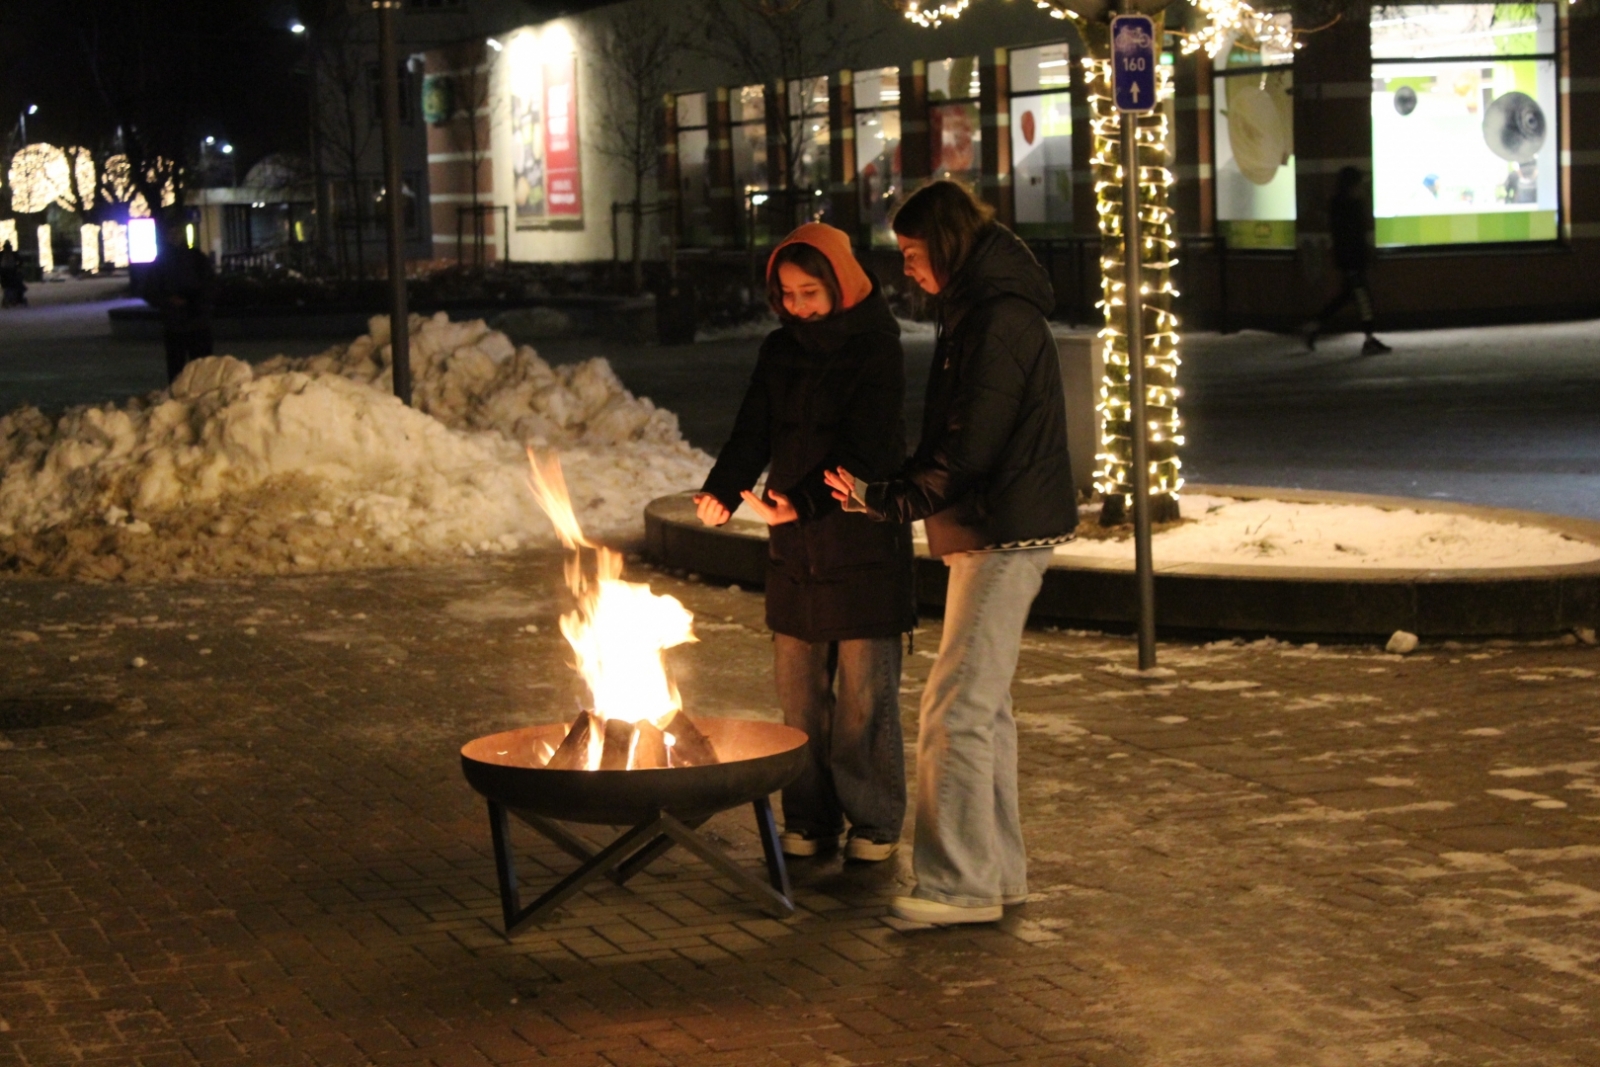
1133	59
394	200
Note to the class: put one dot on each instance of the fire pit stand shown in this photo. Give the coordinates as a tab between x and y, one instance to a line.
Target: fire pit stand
661	807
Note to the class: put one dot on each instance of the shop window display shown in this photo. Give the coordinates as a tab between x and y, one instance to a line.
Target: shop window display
1252	104
1041	140
954	126
1464	105
808	118
694	177
877	118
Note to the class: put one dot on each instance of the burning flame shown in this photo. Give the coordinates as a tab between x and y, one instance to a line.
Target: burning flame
619	629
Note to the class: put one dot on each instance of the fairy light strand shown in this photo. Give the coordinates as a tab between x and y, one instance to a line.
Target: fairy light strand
1114	462
930	18
1229	20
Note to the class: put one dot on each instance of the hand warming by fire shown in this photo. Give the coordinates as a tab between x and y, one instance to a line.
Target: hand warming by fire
618	632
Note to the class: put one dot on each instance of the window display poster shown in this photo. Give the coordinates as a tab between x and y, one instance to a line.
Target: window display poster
1253	127
546	174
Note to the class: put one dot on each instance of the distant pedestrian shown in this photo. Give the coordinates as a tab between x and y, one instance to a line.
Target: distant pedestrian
180	285
992	478
1350	219
828	390
13	293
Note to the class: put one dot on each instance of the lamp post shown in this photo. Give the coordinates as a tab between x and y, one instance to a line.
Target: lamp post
389	75
22	120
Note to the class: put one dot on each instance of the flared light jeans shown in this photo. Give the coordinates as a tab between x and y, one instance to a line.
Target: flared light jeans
968	840
846	696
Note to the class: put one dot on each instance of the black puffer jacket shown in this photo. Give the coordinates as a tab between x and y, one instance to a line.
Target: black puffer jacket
827	394
992	466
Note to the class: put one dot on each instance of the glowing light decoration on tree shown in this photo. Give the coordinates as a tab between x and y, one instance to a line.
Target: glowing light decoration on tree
80	172
115	236
932	17
38	176
47	250
1114	474
8	232
89	257
1231	20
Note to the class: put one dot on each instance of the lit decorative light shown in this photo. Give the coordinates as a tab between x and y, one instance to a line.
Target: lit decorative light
1113	474
1231	20
47	250
8	232
931	17
89	236
38	176
115	236
81	168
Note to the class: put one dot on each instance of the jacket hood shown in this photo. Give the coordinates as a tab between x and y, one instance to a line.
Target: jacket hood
854	285
870	315
1000	265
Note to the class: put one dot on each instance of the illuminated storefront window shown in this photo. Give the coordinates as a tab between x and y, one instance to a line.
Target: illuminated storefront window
808	140
1252	109
877	100
694	177
954	128
1041	140
747	111
1464	104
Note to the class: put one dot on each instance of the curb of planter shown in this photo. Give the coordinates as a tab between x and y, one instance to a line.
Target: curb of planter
1306	602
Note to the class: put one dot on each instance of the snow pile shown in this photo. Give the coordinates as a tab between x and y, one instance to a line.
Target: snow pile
1277	533
308	464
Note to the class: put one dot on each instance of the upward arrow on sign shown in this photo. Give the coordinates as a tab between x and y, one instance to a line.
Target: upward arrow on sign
1133	91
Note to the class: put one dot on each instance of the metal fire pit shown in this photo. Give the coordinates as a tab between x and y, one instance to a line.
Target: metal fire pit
664	807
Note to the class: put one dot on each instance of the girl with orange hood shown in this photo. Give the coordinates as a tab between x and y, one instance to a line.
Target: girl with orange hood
828	391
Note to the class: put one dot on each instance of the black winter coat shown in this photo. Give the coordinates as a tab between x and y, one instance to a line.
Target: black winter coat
827	394
992	467
1348	220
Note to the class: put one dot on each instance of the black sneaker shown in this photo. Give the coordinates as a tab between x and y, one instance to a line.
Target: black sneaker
1374	347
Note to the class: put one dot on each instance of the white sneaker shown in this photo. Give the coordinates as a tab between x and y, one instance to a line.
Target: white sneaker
933	913
868	851
795	843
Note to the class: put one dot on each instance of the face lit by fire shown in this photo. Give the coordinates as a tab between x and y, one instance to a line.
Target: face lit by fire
619	629
804	295
918	267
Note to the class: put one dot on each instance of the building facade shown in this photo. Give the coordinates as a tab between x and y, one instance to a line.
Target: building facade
1476	125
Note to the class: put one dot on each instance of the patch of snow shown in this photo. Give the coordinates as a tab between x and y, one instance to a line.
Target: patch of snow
311	464
1051	679
1278	533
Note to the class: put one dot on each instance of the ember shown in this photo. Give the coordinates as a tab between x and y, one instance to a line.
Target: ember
618	632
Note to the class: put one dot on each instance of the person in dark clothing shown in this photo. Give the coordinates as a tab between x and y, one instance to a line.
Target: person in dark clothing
992	478
180	286
828	390
1349	220
11	284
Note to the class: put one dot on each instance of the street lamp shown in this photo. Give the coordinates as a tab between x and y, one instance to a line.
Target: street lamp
297	27
22	120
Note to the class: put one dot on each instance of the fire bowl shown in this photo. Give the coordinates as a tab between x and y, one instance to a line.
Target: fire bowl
662	807
758	758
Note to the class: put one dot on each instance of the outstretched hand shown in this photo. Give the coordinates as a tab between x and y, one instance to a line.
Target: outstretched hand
777	513
843	484
710	510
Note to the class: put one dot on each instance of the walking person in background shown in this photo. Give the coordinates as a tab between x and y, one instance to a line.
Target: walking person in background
180	285
11	284
992	477
1349	219
828	390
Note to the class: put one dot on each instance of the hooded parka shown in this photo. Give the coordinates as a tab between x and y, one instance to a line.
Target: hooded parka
991	469
827	393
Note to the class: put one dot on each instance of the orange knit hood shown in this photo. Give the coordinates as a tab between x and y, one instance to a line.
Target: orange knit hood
854	285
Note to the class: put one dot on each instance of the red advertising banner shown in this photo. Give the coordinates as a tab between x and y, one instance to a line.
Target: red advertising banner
563	178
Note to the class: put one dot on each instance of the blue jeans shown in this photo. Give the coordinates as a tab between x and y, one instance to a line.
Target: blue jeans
856	762
968	841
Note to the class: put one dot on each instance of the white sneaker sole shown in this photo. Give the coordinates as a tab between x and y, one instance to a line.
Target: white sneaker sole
933	913
800	846
859	848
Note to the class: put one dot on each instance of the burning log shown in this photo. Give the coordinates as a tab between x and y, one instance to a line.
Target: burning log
573	753
619	739
649	748
690	747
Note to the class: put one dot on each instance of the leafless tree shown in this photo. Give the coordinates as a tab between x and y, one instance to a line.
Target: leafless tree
778	44
345	127
635	56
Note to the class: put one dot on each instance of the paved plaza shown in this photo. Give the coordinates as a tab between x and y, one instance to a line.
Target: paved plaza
256	847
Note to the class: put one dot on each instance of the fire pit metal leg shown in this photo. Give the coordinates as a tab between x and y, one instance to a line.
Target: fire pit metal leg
657	835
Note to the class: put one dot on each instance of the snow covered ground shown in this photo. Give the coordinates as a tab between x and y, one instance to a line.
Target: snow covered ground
1277	533
308	464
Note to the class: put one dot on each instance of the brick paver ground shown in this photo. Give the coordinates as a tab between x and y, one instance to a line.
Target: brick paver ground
257	848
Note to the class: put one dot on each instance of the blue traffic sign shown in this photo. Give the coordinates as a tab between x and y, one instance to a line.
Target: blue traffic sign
1133	62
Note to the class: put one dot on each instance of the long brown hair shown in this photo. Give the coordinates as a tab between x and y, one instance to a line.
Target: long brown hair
949	219
811	261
